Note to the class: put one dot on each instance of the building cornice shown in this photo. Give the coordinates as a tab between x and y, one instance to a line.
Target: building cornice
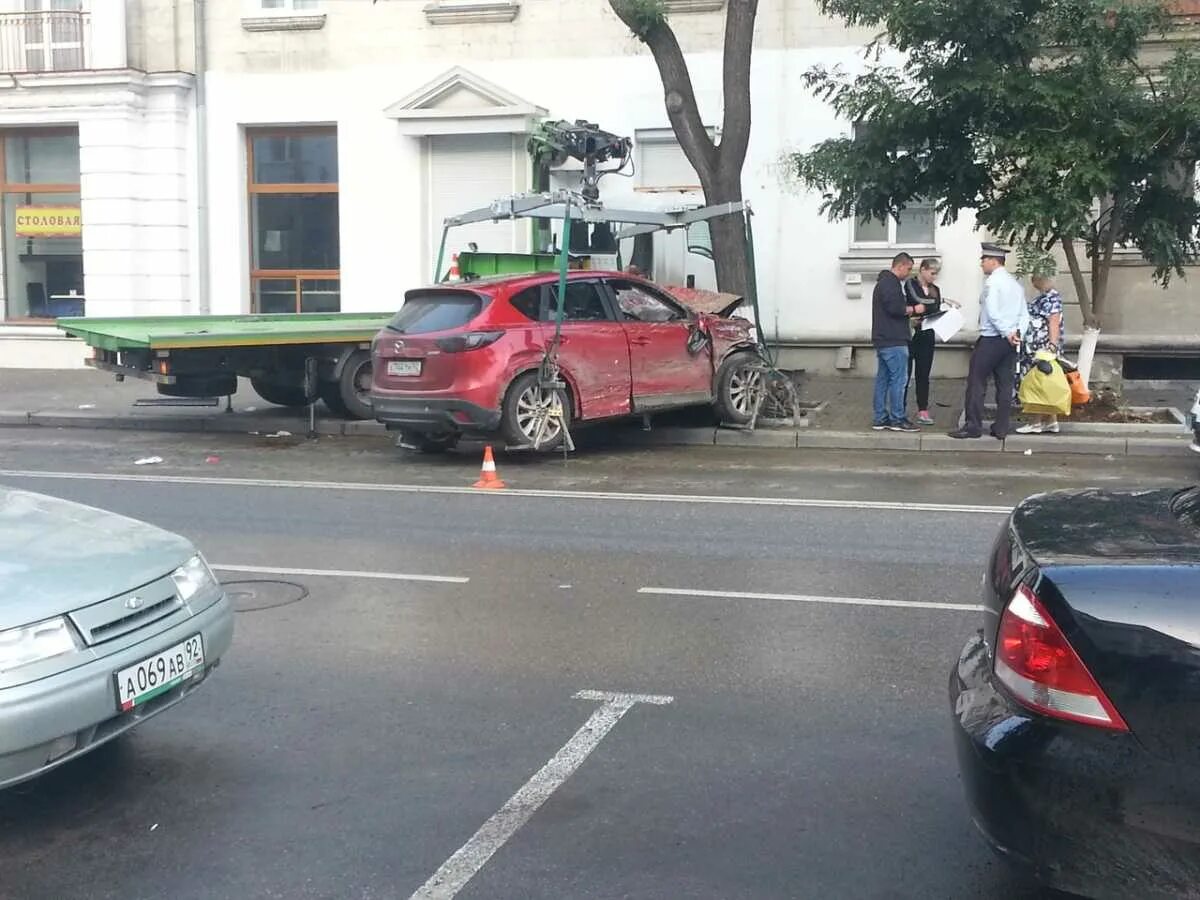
497	11
284	23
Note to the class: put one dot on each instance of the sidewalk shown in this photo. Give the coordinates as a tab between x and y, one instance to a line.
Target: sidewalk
88	399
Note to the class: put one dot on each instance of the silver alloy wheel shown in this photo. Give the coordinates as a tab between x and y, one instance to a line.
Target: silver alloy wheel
536	415
745	384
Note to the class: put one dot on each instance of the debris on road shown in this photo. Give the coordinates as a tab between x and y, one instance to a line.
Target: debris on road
212	460
87	405
277	434
148	461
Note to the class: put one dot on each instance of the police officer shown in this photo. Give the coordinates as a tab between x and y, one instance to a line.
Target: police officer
1002	319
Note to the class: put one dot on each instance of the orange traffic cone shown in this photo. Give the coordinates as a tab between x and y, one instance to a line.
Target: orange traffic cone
488	479
454	274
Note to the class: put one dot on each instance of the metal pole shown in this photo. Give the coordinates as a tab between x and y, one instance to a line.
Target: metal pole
752	287
563	258
441	257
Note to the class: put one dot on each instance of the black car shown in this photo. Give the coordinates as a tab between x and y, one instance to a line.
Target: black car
1077	706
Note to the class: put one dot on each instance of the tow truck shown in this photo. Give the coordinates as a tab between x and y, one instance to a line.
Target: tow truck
295	359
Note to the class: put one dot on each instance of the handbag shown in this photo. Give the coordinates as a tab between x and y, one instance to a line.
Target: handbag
1080	395
1045	393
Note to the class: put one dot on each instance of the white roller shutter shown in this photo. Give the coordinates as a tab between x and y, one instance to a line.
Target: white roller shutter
663	164
466	172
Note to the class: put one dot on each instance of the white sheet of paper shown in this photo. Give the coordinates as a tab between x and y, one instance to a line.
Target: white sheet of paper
946	325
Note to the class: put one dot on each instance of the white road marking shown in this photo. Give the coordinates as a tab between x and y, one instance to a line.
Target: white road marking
466	862
341	573
626	497
804	598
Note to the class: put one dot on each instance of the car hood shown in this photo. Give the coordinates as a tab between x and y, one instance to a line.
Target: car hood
57	556
712	303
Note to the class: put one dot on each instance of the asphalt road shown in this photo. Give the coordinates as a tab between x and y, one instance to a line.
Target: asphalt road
353	741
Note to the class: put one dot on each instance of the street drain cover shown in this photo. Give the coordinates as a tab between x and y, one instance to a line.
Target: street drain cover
256	595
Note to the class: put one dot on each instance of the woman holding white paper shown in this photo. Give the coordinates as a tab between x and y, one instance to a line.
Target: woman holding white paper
922	288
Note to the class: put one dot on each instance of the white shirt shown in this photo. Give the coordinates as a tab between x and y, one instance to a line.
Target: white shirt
1002	308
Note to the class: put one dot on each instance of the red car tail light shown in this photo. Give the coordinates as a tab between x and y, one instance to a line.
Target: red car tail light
1037	663
472	340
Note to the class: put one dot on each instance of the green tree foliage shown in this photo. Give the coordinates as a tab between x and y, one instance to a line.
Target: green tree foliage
1073	123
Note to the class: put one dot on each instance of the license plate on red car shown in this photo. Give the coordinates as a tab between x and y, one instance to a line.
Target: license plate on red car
404	368
155	675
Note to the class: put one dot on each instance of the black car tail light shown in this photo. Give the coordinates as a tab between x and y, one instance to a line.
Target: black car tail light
472	340
1041	669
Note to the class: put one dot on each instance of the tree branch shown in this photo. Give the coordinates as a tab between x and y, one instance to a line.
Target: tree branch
739	43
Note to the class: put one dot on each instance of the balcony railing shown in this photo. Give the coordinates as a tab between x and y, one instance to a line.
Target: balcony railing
45	41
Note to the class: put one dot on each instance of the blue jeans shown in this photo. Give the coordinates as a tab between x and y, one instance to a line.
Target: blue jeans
891	378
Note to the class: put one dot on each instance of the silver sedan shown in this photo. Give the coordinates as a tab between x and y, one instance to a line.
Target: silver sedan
104	622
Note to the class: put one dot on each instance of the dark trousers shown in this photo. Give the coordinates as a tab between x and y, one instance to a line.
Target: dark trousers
996	358
920	364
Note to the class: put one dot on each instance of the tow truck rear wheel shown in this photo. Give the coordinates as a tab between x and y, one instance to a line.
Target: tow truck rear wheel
281	394
349	396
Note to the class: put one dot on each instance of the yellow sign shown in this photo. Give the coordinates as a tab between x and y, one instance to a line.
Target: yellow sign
48	222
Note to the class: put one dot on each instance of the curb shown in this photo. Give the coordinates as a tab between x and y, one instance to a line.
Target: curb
1148	445
183	424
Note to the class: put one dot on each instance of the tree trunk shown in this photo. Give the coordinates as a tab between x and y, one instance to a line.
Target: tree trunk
718	165
1091	323
729	244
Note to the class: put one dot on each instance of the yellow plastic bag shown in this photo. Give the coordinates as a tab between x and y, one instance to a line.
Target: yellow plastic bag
1042	394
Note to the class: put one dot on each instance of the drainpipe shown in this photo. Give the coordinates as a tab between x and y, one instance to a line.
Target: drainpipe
200	54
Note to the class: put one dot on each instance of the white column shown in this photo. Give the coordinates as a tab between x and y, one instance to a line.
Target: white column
134	198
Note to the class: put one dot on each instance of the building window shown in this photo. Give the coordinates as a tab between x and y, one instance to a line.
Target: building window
44	36
912	228
289	5
295	256
661	163
42	226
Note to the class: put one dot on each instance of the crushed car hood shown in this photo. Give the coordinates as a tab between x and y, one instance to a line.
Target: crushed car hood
712	303
57	556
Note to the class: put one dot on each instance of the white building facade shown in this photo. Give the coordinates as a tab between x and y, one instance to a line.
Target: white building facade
337	134
424	109
95	125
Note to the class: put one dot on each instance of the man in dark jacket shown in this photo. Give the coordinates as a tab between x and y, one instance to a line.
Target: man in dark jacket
890	334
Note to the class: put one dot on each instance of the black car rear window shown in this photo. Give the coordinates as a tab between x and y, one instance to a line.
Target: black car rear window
426	311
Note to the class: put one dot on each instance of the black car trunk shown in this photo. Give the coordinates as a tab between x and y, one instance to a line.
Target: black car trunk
1120	574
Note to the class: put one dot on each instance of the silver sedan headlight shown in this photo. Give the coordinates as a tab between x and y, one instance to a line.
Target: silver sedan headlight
34	643
194	578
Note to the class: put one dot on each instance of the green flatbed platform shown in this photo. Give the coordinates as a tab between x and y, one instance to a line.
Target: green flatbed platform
195	332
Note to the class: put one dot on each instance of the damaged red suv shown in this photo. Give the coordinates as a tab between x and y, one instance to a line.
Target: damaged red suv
462	359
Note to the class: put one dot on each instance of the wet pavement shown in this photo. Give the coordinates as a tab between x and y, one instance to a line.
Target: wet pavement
365	725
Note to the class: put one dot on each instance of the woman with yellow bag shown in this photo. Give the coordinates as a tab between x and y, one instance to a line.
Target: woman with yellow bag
1045	333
